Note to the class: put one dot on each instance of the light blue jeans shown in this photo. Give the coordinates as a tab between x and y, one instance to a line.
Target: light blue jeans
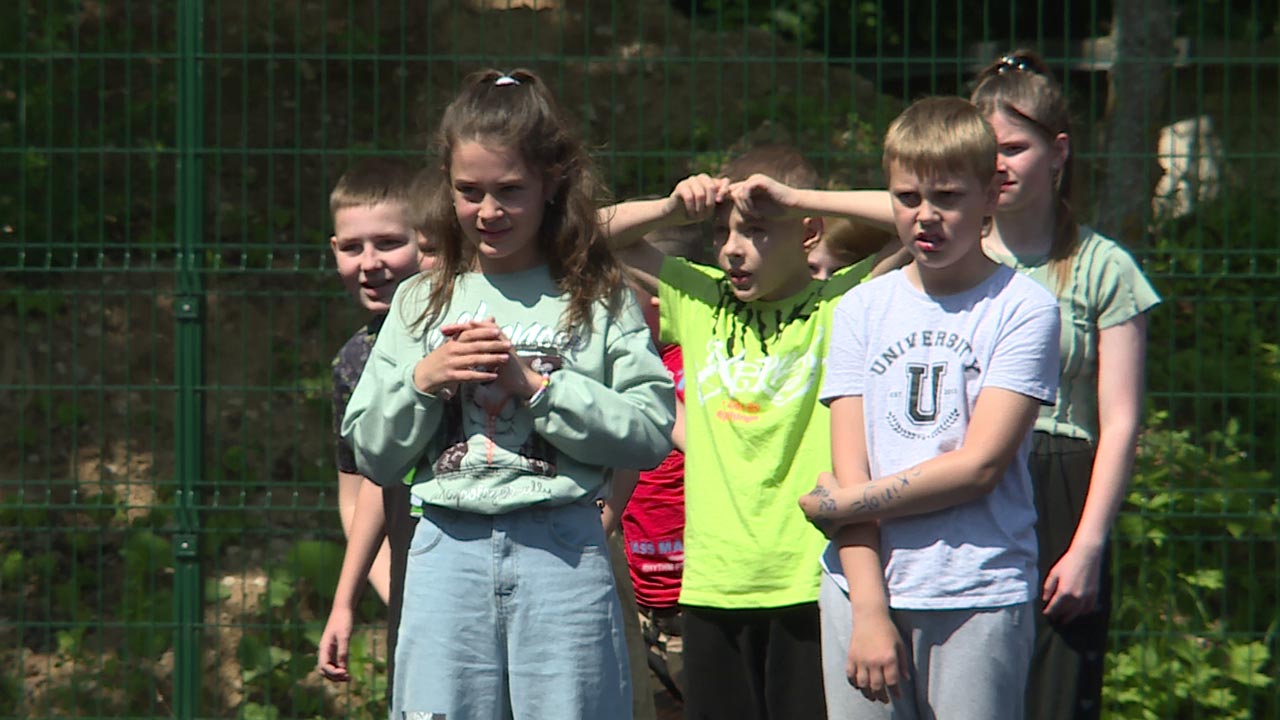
965	664
511	616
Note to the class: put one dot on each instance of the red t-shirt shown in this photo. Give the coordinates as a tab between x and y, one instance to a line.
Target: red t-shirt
653	523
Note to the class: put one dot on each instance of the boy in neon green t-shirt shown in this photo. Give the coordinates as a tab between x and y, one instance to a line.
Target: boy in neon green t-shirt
755	333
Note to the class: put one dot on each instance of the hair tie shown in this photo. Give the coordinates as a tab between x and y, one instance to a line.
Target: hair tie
1009	63
505	80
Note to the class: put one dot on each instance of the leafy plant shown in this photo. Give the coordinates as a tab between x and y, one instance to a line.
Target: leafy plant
1211	357
1185	646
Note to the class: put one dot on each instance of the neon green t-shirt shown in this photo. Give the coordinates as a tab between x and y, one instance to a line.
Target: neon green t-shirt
756	436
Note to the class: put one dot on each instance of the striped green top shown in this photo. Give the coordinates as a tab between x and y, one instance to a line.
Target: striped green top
1105	287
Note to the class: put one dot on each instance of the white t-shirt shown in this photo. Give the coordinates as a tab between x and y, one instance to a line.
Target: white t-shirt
919	362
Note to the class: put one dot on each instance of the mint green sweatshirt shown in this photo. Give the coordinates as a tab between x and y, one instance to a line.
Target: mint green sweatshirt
610	402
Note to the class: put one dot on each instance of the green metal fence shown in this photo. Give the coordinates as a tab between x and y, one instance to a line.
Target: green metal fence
168	539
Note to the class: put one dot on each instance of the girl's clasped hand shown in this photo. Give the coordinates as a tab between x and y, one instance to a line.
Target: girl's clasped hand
476	351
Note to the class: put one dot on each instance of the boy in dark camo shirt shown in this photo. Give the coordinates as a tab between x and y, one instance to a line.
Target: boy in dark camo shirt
376	244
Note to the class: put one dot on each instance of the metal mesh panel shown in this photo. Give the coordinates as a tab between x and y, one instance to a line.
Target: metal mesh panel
168	537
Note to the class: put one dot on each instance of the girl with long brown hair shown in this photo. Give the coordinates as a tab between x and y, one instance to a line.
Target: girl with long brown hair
510	377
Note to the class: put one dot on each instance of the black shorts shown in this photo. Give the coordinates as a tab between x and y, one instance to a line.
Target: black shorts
757	664
1067	664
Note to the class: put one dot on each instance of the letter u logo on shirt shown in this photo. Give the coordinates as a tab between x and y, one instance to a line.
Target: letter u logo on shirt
922	402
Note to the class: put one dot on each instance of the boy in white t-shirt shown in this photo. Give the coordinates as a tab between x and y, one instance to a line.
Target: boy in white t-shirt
936	374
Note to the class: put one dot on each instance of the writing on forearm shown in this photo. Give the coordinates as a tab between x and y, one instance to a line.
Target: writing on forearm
880	495
826	503
830	507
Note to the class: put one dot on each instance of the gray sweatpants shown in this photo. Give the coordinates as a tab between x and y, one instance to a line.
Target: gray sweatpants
965	664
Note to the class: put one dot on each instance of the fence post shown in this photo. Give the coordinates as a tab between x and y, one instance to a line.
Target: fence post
189	363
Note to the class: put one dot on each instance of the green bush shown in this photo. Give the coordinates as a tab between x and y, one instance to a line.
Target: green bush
1197	578
1212	355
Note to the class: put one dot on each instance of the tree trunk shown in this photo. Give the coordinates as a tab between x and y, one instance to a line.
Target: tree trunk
1143	32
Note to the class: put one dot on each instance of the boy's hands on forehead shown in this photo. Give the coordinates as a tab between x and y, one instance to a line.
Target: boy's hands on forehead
697	197
762	196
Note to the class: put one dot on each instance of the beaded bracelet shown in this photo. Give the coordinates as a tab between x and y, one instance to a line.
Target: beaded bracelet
546	383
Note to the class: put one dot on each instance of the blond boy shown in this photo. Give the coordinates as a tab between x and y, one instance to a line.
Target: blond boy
939	373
